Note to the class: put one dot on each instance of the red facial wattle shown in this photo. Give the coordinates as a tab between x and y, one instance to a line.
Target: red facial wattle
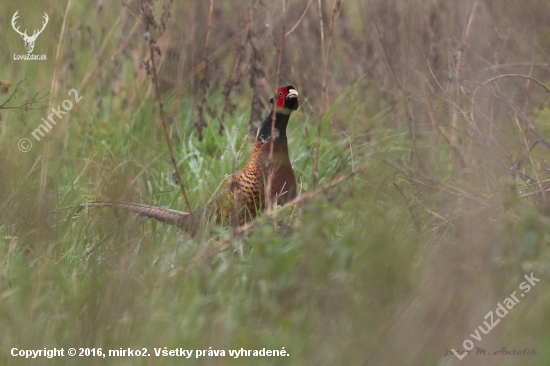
281	95
287	97
280	102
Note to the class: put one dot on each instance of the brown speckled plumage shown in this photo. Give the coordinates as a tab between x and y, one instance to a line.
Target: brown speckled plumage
247	188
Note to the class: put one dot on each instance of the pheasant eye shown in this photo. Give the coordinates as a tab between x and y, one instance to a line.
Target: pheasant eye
280	93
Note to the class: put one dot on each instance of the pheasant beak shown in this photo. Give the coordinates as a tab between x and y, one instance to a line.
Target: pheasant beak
291	101
292	94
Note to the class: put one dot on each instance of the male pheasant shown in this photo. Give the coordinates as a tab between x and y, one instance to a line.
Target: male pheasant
268	173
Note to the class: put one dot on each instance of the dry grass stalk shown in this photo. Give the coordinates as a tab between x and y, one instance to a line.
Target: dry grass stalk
228	106
325	53
256	73
150	27
201	123
280	50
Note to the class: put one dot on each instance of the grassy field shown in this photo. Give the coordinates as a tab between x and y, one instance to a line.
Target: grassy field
433	117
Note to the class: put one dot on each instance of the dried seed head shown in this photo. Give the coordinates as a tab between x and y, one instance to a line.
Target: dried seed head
4	86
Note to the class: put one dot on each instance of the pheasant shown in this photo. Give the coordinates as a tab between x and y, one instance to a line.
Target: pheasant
268	173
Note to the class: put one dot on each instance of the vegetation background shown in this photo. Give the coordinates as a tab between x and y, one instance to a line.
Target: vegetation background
446	102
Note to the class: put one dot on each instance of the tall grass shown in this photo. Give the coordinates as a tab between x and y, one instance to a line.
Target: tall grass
393	265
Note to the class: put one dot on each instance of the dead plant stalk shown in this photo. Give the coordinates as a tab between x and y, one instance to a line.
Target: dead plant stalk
165	127
201	123
325	53
279	61
150	24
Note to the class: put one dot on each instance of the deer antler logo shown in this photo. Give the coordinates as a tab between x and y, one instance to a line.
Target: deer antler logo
29	41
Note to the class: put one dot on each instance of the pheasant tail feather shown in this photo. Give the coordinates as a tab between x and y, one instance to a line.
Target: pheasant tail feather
171	217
